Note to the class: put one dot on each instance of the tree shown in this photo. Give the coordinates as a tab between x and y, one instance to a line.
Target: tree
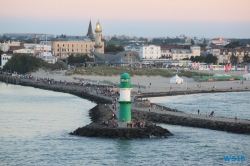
232	44
110	48
120	48
204	42
200	59
192	58
234	59
79	58
192	42
211	59
246	58
202	45
22	63
172	41
114	39
113	48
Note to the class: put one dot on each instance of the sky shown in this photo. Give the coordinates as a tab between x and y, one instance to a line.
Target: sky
142	18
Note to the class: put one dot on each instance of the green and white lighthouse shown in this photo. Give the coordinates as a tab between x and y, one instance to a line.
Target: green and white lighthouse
125	101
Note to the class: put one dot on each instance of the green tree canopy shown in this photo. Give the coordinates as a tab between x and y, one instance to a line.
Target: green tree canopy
113	48
246	58
233	44
192	42
211	59
234	59
22	63
79	58
200	59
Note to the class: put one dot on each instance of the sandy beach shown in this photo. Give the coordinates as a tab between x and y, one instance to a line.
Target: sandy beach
158	83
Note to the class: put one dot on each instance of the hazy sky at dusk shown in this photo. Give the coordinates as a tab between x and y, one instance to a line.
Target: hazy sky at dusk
148	18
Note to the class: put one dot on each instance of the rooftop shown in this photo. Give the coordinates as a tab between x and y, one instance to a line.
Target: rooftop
73	38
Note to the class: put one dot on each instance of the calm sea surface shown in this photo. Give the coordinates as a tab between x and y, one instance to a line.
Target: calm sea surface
34	127
223	104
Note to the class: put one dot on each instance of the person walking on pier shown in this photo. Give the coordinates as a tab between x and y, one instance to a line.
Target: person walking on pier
198	112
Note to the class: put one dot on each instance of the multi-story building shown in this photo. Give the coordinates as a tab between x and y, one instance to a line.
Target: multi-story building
4	59
224	54
146	51
166	53
179	54
11	46
64	45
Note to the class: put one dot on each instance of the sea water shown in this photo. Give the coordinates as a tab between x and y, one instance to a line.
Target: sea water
228	104
35	126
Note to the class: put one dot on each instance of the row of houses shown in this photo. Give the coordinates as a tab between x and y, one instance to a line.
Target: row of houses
64	46
224	54
158	52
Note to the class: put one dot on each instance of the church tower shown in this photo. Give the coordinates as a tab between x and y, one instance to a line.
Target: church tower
98	38
90	31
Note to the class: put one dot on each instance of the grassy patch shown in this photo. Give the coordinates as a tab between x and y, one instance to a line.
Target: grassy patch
104	70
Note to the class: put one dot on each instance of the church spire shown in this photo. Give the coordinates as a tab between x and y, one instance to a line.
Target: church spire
90	31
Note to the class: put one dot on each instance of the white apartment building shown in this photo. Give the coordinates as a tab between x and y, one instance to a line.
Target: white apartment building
4	59
145	51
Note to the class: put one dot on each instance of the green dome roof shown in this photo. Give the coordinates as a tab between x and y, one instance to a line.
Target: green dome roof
125	76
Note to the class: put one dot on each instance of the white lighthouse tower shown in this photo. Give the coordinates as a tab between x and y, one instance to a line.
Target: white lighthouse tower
98	38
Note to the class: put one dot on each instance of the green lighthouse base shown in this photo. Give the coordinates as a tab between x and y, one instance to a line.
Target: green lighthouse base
125	111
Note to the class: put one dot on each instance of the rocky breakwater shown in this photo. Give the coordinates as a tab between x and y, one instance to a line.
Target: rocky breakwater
99	114
183	119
